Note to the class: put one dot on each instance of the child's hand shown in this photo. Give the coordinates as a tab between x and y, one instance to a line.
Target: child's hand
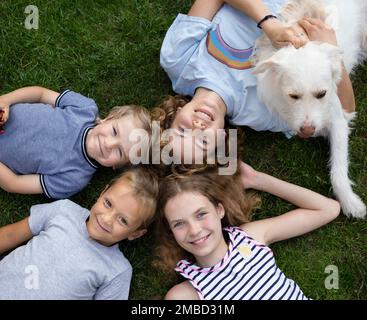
281	35
317	30
4	112
248	176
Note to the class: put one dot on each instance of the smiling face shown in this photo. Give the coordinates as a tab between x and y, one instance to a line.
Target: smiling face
108	142
196	225
116	215
202	116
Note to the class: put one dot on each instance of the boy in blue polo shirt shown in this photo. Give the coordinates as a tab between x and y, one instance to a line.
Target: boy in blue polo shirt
53	143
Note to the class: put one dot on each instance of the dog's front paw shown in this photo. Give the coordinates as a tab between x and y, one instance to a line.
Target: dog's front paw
349	116
353	206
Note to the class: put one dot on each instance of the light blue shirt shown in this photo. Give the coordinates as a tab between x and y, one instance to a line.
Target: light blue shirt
50	141
61	261
216	55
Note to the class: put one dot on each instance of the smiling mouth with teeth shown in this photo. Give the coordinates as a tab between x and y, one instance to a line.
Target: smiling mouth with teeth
200	240
102	226
204	114
100	147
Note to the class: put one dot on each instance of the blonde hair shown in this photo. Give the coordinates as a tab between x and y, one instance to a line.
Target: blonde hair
227	190
140	114
144	184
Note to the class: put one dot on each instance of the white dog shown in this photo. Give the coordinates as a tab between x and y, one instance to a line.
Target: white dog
300	85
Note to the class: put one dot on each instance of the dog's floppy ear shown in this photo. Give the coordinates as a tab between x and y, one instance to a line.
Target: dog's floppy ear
269	64
335	55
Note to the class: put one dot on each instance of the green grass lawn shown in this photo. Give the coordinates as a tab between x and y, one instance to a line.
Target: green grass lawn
109	50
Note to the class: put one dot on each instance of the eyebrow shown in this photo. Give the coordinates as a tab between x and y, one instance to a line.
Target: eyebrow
196	211
123	154
124	216
118	213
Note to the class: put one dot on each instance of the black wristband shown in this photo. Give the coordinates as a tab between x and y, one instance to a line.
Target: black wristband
269	16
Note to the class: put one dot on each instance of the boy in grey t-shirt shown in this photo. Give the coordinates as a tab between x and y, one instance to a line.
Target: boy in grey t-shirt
53	143
73	253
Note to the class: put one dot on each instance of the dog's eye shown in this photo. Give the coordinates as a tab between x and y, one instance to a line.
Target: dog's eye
294	96
320	95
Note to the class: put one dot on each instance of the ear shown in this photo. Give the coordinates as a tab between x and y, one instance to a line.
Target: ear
99	120
335	56
269	64
220	211
137	234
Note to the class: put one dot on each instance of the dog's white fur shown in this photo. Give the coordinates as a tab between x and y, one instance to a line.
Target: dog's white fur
314	68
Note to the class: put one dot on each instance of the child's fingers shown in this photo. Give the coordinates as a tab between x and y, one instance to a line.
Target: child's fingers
315	22
305	24
302	39
298	40
297	36
4	114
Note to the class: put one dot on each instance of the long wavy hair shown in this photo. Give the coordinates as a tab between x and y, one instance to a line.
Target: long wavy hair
227	190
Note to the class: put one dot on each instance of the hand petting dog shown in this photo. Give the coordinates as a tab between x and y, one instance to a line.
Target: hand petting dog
281	35
317	30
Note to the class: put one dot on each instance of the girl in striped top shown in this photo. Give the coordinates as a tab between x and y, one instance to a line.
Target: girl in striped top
198	213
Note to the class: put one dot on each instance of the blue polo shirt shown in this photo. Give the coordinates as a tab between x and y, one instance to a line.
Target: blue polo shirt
50	141
217	55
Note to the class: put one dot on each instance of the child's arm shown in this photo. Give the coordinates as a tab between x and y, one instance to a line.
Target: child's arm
205	9
26	95
314	210
25	184
279	34
182	291
14	234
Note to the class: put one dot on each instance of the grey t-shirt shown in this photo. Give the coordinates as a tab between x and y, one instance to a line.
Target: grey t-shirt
50	141
61	261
